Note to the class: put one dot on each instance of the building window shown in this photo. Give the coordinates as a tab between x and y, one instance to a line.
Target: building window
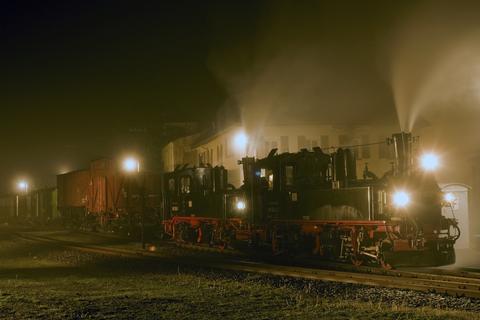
383	149
221	153
266	148
228	152
314	143
356	152
343	140
365	149
302	143
325	142
284	144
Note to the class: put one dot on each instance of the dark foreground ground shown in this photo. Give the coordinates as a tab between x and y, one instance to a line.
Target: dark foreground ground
40	281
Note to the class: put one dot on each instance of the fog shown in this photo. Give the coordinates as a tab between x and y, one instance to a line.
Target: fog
415	64
310	63
435	76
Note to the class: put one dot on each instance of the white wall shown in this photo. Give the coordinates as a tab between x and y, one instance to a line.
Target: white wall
222	150
460	211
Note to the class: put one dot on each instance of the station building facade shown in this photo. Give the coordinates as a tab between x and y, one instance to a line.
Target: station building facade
226	147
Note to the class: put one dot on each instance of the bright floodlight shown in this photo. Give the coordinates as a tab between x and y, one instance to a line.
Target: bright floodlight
429	161
240	141
131	165
449	197
401	199
241	205
22	186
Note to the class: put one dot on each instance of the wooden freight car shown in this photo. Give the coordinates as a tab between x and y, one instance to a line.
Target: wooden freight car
103	195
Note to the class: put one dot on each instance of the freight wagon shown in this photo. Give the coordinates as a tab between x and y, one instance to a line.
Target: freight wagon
104	196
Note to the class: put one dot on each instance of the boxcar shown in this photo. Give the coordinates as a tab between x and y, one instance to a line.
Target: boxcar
103	193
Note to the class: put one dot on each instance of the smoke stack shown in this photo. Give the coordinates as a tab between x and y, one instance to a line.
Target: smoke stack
402	145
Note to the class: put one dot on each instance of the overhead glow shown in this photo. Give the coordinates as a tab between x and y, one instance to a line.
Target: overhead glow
131	165
241	205
63	169
240	141
429	162
401	199
449	197
22	186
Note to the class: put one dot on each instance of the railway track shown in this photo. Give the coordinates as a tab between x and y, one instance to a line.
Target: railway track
461	284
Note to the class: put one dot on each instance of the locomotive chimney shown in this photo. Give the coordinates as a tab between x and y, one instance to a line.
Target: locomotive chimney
402	146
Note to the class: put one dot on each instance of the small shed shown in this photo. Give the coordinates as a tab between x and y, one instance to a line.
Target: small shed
459	209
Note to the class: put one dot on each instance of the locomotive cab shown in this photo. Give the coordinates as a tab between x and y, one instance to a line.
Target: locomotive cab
194	191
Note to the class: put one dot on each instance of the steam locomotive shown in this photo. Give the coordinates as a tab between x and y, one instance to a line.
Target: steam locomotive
312	203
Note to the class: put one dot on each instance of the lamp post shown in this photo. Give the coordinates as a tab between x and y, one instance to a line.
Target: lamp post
131	166
22	187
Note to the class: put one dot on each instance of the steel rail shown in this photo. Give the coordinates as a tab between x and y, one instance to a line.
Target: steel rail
433	283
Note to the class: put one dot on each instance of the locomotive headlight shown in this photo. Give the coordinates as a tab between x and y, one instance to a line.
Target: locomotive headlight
401	199
450	200
429	161
241	205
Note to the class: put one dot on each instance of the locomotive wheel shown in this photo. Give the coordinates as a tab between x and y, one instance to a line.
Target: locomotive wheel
384	264
357	261
222	246
385	246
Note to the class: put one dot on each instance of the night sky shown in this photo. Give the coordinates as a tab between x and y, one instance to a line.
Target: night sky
79	78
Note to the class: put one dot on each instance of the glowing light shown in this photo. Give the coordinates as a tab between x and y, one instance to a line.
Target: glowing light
22	186
240	141
131	165
429	161
63	170
241	205
449	197
401	199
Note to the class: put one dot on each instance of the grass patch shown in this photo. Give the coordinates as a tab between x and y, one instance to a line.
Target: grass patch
184	296
41	282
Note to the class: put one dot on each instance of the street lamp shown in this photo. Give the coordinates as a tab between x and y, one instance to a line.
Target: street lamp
22	186
240	142
131	165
